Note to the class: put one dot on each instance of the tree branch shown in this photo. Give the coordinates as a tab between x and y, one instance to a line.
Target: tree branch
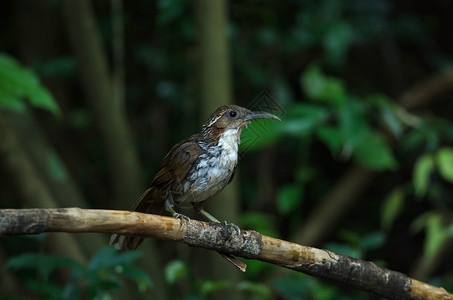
324	264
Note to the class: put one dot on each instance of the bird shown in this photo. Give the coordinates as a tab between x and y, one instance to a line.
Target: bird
195	169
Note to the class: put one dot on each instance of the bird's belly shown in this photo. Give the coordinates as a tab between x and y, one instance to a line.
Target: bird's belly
209	183
210	176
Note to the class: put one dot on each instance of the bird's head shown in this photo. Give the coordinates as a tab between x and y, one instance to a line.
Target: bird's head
231	119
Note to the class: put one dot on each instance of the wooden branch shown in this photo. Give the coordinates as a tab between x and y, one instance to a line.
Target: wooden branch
324	264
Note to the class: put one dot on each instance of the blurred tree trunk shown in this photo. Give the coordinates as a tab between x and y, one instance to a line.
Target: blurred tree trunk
41	43
107	106
335	206
33	191
216	91
54	173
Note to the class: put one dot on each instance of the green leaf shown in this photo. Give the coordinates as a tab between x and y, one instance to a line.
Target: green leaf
323	88
392	207
420	222
436	232
109	257
56	167
289	196
80	118
259	289
337	41
449	230
40	97
11	102
60	67
353	127
300	121
372	241
331	137
344	249
46	290
436	235
421	174
292	287
17	82
260	221
256	268
210	286
315	113
169	10
45	264
175	271
353	238
138	276
387	110
258	134
375	153
414	139
303	175
391	120
444	160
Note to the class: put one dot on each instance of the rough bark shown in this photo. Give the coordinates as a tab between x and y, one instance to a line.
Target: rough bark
321	263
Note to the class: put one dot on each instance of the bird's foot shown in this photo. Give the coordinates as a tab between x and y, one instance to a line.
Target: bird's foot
234	226
182	218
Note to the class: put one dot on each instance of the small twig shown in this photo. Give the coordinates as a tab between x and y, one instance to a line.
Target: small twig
426	90
325	264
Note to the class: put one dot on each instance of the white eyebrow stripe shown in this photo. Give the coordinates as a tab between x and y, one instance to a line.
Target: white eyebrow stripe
214	120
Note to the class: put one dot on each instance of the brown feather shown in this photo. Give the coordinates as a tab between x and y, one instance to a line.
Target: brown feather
171	172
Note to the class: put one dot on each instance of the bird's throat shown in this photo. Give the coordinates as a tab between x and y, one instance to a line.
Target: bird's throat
215	166
229	141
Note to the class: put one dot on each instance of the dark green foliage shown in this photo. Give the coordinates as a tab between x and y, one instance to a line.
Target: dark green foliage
18	83
304	287
98	280
343	122
175	271
337	69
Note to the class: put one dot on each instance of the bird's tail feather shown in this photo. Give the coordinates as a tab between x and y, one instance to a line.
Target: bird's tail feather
147	203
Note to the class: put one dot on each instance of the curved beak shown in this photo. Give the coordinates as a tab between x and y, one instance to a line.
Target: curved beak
260	115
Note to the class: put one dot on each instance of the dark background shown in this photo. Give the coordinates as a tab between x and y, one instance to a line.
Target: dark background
361	163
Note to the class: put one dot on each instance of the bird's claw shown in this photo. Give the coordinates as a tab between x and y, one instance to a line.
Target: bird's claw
234	226
182	218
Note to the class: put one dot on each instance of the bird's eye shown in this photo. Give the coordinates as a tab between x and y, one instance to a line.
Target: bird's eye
233	114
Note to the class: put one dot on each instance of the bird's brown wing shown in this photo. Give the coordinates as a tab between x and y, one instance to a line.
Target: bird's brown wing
176	165
169	178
